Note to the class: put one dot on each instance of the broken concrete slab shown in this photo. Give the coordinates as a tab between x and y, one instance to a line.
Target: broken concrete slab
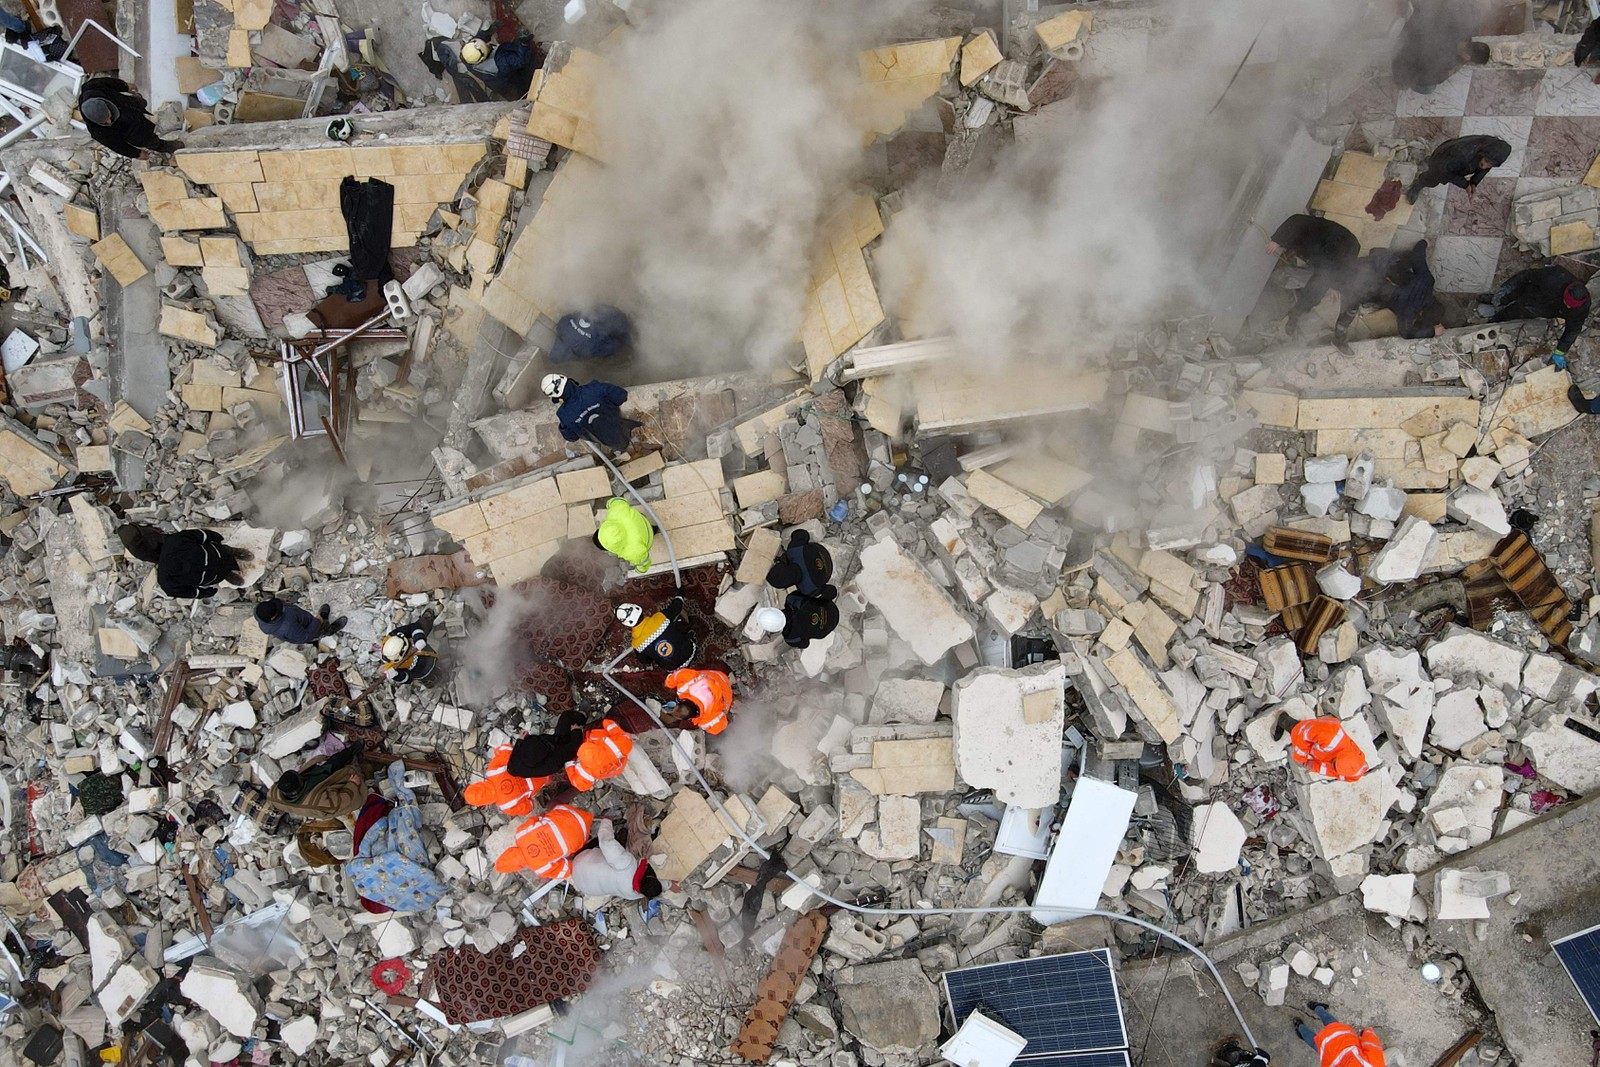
1008	725
916	609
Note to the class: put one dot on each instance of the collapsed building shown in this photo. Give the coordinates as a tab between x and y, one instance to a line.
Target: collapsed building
1082	587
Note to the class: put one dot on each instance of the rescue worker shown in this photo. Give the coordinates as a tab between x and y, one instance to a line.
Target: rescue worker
407	656
1435	41
543	756
1460	161
189	563
1549	292
506	69
295	625
626	533
802	619
596	334
545	842
1588	47
1326	247
709	691
513	795
805	565
1231	1053
1401	282
606	869
662	639
1323	747
115	116
603	754
1337	1044
592	411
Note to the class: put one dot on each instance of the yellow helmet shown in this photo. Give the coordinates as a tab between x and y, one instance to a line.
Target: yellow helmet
475	51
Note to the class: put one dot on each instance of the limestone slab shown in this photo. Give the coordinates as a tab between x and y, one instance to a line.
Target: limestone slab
916	609
996	744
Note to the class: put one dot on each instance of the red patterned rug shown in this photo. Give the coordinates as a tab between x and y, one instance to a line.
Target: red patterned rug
558	961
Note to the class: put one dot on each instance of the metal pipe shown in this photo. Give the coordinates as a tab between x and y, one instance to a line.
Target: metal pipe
363	328
23	130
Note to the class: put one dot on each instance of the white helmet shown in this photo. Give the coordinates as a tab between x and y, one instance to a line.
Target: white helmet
475	50
770	619
629	614
554	385
394	646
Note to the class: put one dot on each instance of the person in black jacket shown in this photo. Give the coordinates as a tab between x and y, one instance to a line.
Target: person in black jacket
805	565
294	624
115	117
1326	247
545	755
802	620
189	563
1401	282
1435	41
1460	161
1549	292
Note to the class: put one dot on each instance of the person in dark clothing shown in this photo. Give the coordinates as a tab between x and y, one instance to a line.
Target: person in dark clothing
802	620
407	656
592	410
546	755
1460	161
189	563
1435	42
805	565
596	334
662	639
1550	292
1588	47
295	625
1401	282
116	117
1326	247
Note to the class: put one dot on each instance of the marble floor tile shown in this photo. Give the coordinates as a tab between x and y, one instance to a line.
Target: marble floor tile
1512	129
1567	91
1449	98
1465	264
1487	214
1561	147
1432	130
1504	92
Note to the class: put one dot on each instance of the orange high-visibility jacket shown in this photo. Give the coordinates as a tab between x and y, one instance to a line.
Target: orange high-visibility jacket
1338	1046
1324	747
500	787
710	691
544	843
603	754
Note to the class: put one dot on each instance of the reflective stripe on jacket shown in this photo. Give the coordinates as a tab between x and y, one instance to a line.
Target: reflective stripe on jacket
1338	1046
544	843
603	754
1323	747
710	691
500	787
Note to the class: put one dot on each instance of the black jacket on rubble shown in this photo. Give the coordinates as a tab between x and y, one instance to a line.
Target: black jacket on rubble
1320	242
1537	293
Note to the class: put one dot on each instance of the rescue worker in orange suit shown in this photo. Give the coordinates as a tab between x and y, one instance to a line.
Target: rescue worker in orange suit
545	843
1337	1044
1323	747
603	754
512	794
709	691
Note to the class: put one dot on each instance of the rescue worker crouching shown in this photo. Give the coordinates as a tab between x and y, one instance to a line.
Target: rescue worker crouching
662	639
603	754
711	692
545	843
1324	747
407	656
513	794
626	534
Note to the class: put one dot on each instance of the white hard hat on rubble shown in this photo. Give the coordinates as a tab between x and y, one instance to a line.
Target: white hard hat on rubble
770	619
629	614
394	646
475	50
554	385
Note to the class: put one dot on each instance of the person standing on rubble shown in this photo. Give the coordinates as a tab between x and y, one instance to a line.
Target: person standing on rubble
805	565
626	534
603	868
1460	161
802	619
115	116
407	656
590	411
1337	1044
662	639
190	564
1549	292
295	625
1323	746
1326	247
1435	41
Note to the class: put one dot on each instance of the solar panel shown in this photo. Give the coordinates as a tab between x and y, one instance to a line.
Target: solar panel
1062	1004
1116	1058
1580	955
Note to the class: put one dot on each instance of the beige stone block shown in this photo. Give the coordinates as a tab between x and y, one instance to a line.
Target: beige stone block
996	495
581	522
684	479
978	57
209	168
463	522
238	197
1271	468
118	259
1568	237
1273	409
645	465
163	186
239	48
307	164
578	486
199	213
181	252
1063	29
25	467
516	504
758	488
525	564
203	397
306	195
188	326
760	553
677	512
83	221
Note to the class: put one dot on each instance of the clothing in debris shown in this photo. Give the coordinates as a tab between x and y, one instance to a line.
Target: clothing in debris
1543	293
115	117
606	869
1338	1045
593	410
709	691
512	794
547	755
293	624
1460	161
663	639
544	842
1399	281
626	533
368	210
392	867
808	618
325	788
1326	247
805	565
596	334
1324	747
603	754
189	563
419	659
